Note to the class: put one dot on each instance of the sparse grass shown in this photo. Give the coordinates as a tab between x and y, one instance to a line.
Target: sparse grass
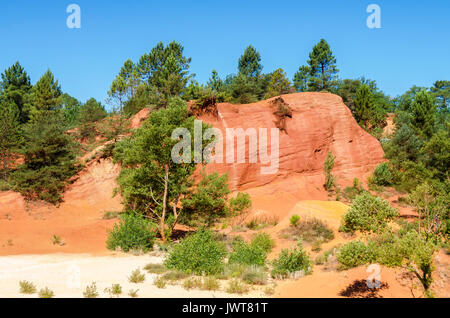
261	222
136	277
316	246
254	275
239	228
192	282
310	230
91	291
237	287
174	276
210	283
46	293
155	268
114	290
133	293
269	290
27	287
159	282
109	215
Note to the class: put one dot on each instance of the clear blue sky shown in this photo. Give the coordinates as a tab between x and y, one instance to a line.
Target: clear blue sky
411	48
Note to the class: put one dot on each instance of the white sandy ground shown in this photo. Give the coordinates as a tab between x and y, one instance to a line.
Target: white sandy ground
67	275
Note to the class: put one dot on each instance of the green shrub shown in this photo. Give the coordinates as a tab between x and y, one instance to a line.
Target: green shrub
159	282
354	254
291	261
368	213
294	220
132	233
382	175
173	276
198	253
254	253
27	287
210	283
114	290
240	204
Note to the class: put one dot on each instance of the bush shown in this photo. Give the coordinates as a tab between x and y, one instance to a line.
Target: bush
254	275
192	282
198	253
294	220
354	254
155	268
210	283
46	293
132	233
368	213
311	231
240	204
254	253
291	261
159	282
382	175
237	287
136	277
114	290
27	287
91	291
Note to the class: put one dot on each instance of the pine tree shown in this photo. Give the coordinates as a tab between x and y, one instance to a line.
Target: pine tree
301	79
364	105
214	82
249	63
322	65
9	135
441	91
47	96
15	88
278	84
49	159
423	110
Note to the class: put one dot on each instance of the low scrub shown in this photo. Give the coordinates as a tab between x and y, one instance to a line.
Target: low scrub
46	293
27	287
237	287
136	277
199	253
91	291
155	268
253	253
290	262
132	233
310	231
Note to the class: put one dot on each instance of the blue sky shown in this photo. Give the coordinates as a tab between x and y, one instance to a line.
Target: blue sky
411	48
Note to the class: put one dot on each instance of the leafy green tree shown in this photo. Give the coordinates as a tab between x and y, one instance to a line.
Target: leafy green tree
150	182
249	63
322	66
364	105
9	135
423	110
404	146
90	113
49	159
242	89
437	154
47	96
301	79
278	84
15	88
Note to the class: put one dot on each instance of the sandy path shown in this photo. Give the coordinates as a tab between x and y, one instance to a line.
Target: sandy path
69	274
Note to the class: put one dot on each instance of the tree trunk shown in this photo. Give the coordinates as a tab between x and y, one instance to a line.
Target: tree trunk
162	224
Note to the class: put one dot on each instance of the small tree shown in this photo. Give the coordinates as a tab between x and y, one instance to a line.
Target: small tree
278	84
322	67
9	135
328	165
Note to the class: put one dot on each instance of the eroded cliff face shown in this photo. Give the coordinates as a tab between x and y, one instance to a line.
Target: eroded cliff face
320	123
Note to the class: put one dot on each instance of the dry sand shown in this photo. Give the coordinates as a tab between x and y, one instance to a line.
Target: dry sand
69	274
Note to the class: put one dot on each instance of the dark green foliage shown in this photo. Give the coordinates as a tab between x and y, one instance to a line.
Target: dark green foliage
49	159
89	113
208	201
239	204
301	79
290	261
214	82
15	91
441	91
47	96
133	232
382	175
249	63
71	109
437	154
9	136
322	67
198	253
423	111
368	213
364	105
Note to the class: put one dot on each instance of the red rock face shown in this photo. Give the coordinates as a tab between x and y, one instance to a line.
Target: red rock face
320	123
